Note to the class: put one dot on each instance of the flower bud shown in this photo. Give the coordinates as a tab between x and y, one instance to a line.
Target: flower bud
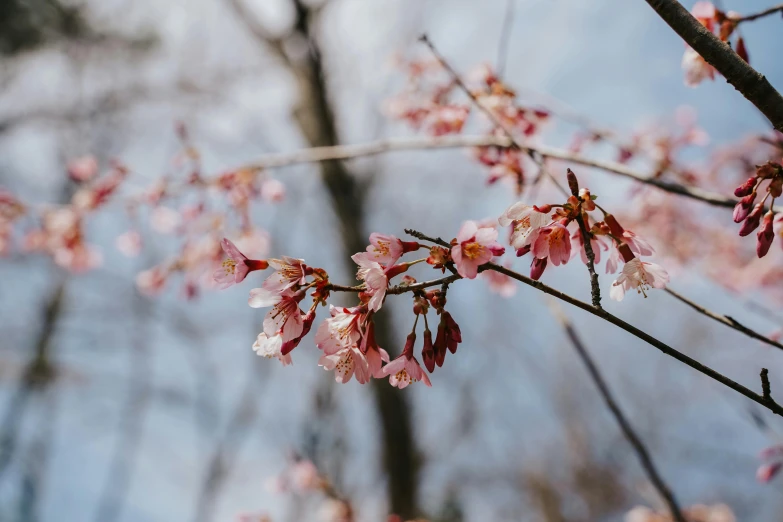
573	184
742	208
765	235
428	352
746	188
537	268
752	221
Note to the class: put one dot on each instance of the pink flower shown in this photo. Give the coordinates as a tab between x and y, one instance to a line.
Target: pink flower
696	68
405	369
270	347
640	275
346	363
614	259
307	324
386	249
595	243
341	330
553	242
526	222
500	283
375	280
288	272
638	246
83	169
151	282
235	269
272	190
129	243
284	318
767	472
475	246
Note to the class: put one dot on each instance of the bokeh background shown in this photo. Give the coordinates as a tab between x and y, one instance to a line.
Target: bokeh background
160	411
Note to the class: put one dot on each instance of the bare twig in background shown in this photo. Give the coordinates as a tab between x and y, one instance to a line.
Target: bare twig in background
505	36
221	459
726	320
749	82
132	418
630	434
766	12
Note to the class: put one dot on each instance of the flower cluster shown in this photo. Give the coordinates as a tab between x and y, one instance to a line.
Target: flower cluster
724	25
544	231
428	106
750	215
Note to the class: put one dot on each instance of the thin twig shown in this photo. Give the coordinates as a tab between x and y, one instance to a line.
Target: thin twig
505	36
725	319
630	434
762	14
766	390
595	289
749	82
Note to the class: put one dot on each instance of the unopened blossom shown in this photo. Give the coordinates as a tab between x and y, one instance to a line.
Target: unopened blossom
428	351
537	267
743	206
696	68
553	242
374	354
285	317
405	369
526	222
765	235
447	337
475	247
639	275
129	243
234	270
269	346
83	168
753	220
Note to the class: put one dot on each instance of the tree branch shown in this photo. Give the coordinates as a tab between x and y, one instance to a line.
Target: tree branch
625	426
762	14
726	320
595	289
749	82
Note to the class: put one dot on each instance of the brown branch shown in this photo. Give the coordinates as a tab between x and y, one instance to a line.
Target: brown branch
749	82
766	390
762	14
726	320
399	289
595	289
606	316
625	426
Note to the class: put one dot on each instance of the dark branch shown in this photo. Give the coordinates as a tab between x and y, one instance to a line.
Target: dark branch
749	82
726	320
762	14
595	289
766	390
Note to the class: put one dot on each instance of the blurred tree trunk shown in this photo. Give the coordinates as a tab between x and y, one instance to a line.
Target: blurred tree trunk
316	120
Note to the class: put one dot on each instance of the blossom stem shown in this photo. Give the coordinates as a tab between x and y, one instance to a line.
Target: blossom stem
766	12
595	289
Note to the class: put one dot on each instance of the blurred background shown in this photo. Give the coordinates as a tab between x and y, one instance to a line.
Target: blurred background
121	407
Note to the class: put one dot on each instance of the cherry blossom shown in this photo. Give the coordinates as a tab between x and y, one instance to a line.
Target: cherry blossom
375	280
346	363
235	269
475	246
289	271
405	369
285	317
639	275
553	242
269	346
526	221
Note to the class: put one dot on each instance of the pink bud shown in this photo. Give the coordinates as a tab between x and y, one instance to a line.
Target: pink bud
428	352
524	250
746	188
767	472
573	184
409	342
743	206
537	268
753	220
765	235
